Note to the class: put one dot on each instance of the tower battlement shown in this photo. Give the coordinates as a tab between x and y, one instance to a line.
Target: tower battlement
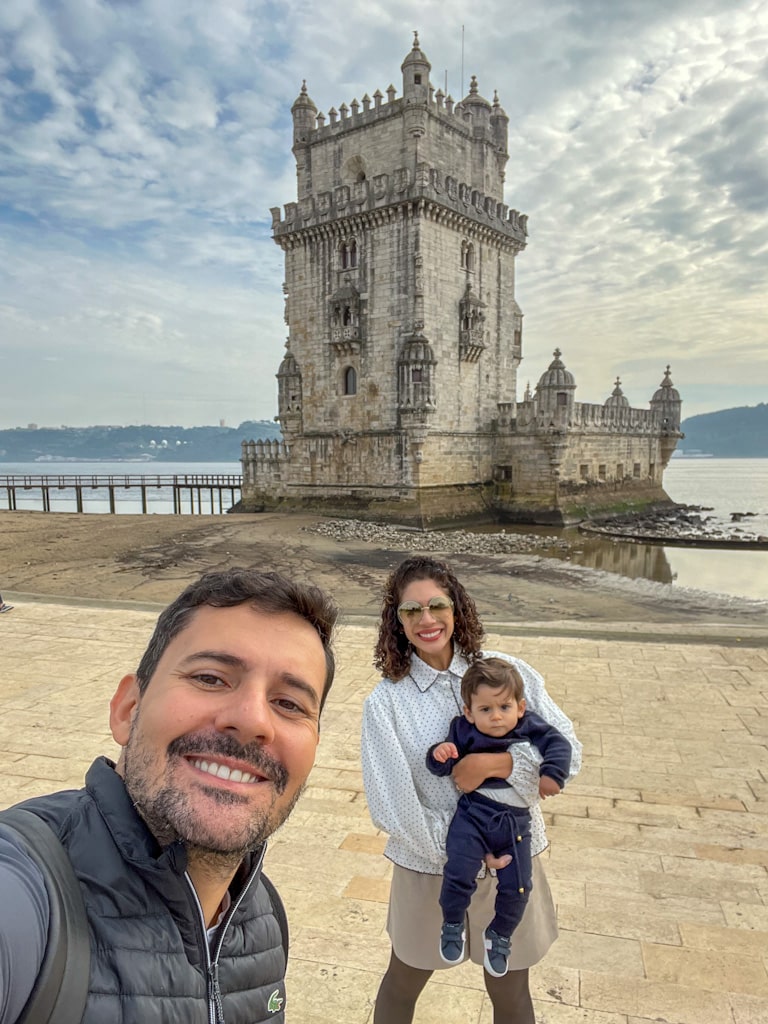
468	121
467	141
401	185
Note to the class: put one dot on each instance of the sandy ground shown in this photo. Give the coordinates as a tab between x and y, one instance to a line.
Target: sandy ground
149	559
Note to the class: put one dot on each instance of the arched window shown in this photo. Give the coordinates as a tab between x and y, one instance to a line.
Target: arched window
467	255
348	255
347	316
350	381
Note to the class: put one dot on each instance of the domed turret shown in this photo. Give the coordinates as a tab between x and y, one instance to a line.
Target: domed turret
415	69
666	392
289	396
617	400
556	376
666	399
304	113
500	129
476	104
555	391
498	110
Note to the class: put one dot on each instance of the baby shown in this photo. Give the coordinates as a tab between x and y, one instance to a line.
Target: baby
494	718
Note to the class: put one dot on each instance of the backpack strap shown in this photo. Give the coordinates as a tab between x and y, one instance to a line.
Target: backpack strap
279	911
61	989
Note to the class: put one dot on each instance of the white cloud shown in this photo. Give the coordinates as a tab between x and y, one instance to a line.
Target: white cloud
142	144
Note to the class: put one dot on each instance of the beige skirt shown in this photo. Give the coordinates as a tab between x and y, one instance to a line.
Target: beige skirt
415	919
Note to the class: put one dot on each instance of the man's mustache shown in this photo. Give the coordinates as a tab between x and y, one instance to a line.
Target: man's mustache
204	744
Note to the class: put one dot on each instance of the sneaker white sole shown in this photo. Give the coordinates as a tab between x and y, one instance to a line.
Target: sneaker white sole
487	963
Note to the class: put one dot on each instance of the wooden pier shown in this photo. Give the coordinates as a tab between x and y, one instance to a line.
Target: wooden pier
193	494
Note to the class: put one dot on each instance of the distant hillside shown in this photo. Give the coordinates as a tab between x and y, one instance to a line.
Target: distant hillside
160	444
729	433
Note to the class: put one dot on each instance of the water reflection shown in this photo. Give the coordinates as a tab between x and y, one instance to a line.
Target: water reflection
739	573
648	561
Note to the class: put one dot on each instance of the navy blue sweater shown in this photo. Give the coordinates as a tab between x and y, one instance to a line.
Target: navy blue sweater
549	741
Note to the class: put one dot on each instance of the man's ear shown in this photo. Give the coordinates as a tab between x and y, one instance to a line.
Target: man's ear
468	714
122	709
521	706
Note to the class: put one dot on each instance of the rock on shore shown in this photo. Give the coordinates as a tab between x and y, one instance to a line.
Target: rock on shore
448	542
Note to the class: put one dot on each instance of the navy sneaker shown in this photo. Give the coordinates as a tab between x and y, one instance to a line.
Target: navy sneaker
452	943
496	956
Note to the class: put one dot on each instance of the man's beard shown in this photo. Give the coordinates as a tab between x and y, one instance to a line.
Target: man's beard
169	812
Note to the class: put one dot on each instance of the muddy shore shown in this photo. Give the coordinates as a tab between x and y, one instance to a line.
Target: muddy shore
148	559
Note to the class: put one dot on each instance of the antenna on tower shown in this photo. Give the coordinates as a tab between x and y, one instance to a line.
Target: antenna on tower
462	63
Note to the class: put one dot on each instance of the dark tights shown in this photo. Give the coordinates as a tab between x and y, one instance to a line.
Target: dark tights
402	985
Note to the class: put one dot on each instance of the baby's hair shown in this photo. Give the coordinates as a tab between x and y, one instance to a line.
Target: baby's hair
494	672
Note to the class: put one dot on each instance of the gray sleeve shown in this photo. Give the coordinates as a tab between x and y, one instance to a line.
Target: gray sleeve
23	926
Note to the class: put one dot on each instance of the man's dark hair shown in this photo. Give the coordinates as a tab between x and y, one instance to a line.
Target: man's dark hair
265	591
494	672
392	656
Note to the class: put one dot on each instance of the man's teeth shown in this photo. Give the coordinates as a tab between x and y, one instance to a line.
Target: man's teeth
222	772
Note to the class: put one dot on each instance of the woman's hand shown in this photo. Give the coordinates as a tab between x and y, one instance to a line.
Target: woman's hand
474	769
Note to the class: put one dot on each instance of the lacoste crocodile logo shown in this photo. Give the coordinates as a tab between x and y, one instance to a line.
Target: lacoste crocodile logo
275	1002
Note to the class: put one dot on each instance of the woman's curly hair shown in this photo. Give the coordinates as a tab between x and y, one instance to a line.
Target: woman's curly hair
392	655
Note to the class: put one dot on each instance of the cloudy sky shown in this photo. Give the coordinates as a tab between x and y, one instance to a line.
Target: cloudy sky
142	143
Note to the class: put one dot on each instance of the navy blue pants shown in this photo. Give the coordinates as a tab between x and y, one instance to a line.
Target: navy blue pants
482	826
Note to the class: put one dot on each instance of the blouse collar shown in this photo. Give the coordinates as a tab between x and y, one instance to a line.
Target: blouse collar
424	675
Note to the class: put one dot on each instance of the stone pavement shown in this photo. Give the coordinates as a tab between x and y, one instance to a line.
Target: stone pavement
659	856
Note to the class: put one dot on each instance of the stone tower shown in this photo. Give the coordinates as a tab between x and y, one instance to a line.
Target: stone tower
400	283
397	391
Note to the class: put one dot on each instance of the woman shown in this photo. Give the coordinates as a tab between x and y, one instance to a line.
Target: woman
429	633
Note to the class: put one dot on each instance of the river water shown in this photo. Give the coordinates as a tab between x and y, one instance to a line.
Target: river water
723	485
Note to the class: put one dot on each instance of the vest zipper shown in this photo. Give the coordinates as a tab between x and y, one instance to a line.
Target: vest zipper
215	1007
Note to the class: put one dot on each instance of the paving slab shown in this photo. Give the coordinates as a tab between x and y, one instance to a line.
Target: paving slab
659	856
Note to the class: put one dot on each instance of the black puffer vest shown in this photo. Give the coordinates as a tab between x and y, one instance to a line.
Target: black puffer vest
150	960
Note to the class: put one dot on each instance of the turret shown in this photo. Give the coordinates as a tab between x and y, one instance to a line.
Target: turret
617	398
304	113
500	132
555	392
289	397
667	401
415	69
667	405
477	105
